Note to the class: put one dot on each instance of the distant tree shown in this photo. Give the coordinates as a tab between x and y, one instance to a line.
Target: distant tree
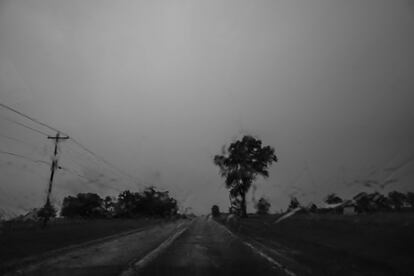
362	202
108	203
312	207
148	203
333	199
294	203
215	211
241	164
262	206
157	203
371	202
47	212
87	205
129	204
109	206
379	202
397	199
410	199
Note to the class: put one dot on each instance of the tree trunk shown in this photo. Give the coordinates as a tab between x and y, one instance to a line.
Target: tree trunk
243	206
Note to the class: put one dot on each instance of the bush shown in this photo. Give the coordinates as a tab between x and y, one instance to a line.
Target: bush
86	205
333	199
46	213
294	203
215	211
149	203
262	206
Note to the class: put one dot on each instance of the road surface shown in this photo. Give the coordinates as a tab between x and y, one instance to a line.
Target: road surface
104	258
200	247
207	248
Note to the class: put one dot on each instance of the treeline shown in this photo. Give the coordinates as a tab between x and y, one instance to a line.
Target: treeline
362	203
149	203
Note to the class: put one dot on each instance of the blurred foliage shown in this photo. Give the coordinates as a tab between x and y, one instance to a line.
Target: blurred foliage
215	211
333	199
262	206
150	203
294	203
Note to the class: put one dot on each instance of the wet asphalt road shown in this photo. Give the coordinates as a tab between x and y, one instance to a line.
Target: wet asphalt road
206	248
202	247
104	258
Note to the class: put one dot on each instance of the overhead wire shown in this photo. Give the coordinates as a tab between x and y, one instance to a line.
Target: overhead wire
11	138
25	126
88	158
24	157
75	158
98	157
103	160
30	118
91	181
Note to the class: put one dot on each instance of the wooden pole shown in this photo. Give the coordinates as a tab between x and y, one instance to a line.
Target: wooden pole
53	167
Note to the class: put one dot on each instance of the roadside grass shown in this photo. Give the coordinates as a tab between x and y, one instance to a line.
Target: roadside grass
25	239
332	244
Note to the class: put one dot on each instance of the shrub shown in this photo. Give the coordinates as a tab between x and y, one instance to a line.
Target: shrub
215	211
262	206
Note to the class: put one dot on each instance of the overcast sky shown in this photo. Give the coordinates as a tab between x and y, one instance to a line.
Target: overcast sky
158	87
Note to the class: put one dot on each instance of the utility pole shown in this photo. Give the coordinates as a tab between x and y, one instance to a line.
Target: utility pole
54	166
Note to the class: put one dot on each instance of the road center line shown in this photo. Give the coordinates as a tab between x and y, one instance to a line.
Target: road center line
258	251
134	268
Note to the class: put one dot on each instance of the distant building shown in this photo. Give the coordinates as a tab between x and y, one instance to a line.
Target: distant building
349	208
335	208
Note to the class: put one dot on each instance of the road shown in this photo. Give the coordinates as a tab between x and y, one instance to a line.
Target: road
105	258
200	247
207	248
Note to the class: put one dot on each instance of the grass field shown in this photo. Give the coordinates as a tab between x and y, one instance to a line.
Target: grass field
20	240
375	244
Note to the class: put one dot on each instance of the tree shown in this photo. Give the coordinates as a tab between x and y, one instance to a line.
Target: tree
262	206
363	203
109	206
88	205
397	199
215	211
312	207
47	212
379	202
129	204
294	203
333	199
148	203
410	199
241	164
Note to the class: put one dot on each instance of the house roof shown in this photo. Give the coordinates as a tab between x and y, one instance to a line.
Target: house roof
332	206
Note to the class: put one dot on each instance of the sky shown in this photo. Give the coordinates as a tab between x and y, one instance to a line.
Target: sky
156	88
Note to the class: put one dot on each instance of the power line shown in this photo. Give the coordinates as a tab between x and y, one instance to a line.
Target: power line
102	159
99	179
25	126
23	157
29	145
30	118
90	181
71	138
76	156
17	140
88	156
